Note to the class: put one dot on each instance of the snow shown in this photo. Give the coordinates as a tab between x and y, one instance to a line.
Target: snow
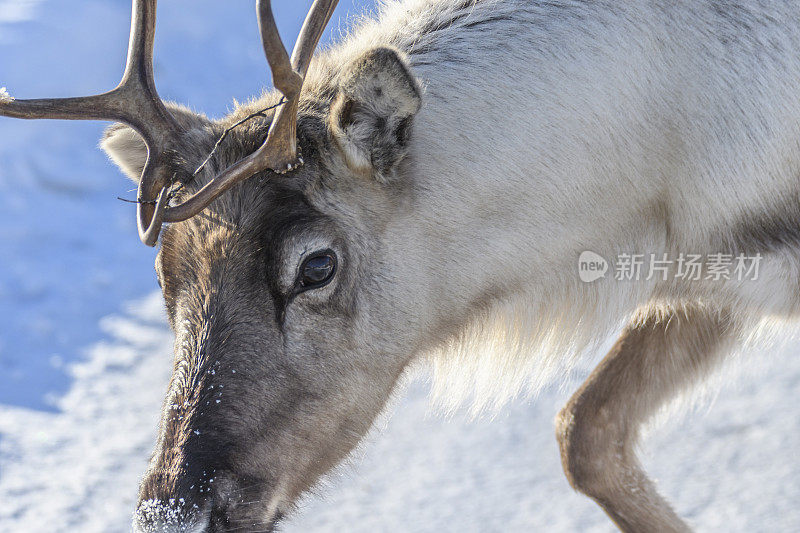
174	515
85	354
77	469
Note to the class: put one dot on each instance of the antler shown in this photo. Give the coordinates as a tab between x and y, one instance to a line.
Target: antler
279	151
136	103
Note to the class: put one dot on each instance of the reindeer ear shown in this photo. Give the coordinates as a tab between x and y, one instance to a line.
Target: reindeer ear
372	114
126	149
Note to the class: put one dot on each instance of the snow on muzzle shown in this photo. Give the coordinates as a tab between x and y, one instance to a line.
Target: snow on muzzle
215	501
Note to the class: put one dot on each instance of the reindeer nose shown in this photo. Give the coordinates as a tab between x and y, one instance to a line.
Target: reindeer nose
175	503
215	502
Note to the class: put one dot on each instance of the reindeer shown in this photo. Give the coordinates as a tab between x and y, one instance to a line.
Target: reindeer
425	189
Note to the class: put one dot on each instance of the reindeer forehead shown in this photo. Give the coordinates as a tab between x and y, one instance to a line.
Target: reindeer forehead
211	147
261	213
253	236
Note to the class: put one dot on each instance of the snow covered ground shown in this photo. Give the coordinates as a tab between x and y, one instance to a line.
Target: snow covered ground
85	353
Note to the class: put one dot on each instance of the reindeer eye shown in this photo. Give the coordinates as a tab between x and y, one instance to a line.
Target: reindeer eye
317	270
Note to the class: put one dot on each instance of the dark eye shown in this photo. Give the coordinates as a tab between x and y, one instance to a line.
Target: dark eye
317	270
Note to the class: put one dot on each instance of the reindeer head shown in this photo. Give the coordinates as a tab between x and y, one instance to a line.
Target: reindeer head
284	298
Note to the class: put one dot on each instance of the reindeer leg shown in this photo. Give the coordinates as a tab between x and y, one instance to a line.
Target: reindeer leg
597	430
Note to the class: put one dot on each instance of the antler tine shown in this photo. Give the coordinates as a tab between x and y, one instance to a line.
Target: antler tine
313	28
284	78
135	102
279	151
97	107
137	88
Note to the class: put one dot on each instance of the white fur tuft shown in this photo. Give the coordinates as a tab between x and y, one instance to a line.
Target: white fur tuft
520	345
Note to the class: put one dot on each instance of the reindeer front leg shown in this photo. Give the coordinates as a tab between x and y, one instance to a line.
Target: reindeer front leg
651	363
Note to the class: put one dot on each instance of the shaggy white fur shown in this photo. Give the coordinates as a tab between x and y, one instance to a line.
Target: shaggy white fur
550	128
